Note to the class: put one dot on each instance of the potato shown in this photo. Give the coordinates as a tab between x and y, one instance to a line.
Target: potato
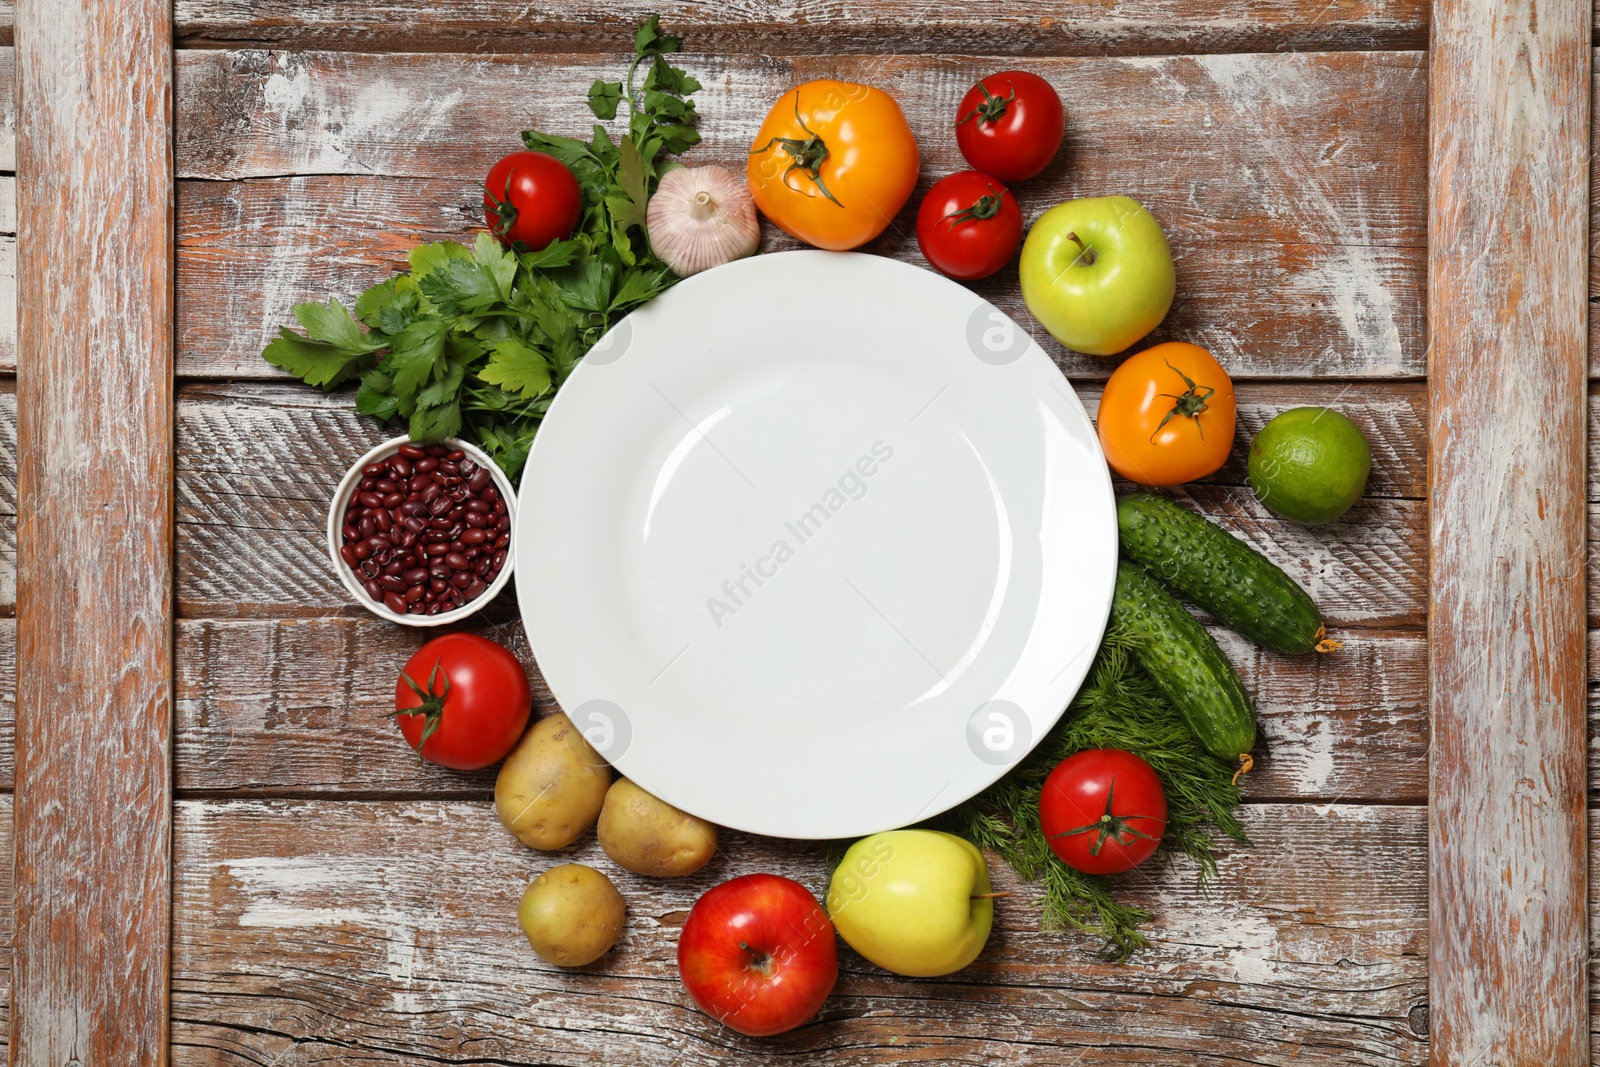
572	915
649	836
552	785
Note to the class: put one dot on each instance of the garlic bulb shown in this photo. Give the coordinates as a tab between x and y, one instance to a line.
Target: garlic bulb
701	217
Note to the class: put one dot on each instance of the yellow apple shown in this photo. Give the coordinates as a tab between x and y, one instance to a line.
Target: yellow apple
913	901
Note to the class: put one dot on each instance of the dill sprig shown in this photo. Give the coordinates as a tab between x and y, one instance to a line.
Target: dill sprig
1118	707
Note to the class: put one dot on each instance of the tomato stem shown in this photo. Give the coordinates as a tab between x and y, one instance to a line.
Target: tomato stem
1191	404
992	109
807	154
432	704
1109	826
985	207
504	211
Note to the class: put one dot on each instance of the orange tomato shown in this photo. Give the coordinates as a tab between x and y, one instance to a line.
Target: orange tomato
1166	415
833	163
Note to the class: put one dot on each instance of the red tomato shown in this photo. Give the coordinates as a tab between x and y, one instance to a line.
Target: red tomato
531	199
1010	125
462	701
1103	811
969	225
758	954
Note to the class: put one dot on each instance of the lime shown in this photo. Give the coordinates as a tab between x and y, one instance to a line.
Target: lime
1310	464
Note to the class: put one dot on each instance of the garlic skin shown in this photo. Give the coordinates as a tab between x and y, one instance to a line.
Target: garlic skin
701	217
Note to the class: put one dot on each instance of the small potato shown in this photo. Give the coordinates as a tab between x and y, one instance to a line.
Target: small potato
572	915
552	785
649	836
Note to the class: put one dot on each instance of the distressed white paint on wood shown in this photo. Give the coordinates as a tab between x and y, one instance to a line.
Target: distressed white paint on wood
1509	121
324	932
258	465
1026	27
94	644
1291	186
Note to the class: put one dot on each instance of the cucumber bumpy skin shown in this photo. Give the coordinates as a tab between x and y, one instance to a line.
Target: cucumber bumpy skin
1206	564
1186	664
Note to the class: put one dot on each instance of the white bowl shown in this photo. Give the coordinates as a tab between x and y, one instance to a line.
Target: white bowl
341	500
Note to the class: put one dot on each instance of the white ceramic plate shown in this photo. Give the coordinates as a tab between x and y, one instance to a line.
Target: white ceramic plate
815	545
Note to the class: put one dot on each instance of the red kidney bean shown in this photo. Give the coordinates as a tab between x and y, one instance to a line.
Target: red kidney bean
426	531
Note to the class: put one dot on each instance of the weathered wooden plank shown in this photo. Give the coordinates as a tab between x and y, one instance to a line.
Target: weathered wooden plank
94	642
364	932
1509	129
1291	185
295	707
973	27
257	466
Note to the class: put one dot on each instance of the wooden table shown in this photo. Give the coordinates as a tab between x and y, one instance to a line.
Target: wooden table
224	854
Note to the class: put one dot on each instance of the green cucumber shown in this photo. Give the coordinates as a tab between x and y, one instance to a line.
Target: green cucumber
1237	585
1186	664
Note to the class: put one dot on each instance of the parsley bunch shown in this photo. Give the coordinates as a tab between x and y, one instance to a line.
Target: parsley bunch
473	342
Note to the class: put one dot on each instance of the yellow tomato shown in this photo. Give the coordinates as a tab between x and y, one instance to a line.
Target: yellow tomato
1166	415
833	163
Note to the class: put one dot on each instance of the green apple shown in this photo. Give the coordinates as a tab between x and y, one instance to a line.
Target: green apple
1097	273
916	902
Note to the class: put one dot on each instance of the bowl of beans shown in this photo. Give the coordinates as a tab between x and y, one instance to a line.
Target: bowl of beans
421	534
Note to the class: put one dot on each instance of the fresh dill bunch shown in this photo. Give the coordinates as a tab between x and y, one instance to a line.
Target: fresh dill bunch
1118	707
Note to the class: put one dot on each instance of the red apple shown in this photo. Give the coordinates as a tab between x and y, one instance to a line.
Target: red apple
757	954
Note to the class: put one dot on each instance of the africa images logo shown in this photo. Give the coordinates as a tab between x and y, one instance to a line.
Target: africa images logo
851	485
